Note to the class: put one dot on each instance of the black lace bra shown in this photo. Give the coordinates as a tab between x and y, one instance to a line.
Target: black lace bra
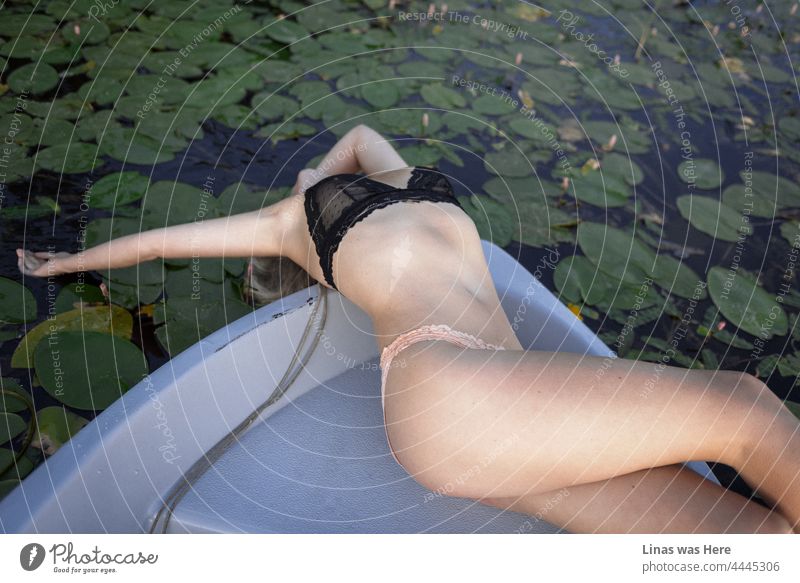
336	203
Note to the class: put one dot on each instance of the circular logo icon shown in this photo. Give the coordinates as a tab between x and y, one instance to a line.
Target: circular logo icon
31	556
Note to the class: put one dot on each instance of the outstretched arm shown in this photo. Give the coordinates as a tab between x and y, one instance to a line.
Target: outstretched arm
257	233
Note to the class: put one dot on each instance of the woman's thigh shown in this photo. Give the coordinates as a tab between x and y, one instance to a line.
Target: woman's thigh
485	423
666	499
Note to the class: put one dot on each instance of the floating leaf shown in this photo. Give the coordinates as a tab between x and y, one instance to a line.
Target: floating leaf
16	471
616	251
73	295
11	425
118	189
708	215
493	220
600	189
622	166
285	31
110	319
380	94
17	303
54	427
443	97
33	78
70	158
88	370
703	173
742	301
491	105
9	401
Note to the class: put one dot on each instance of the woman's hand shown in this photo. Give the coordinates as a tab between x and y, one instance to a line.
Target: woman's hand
40	264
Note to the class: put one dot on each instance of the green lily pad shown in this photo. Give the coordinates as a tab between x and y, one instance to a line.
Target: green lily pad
493	105
270	106
600	189
622	166
9	401
17	303
742	301
111	319
54	427
88	370
11	425
708	215
77	295
704	173
118	189
285	31
574	277
187	321
443	97
70	158
129	146
509	163
616	251
494	221
88	31
678	278
23	467
33	78
381	94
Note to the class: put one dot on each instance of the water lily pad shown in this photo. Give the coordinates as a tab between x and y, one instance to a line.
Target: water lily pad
616	251
17	303
88	370
574	277
118	189
15	398
77	295
107	319
678	278
493	105
23	467
33	78
285	31
11	425
704	173
600	189
742	301
509	163
443	97
271	106
87	31
708	215
70	158
495	222
54	427
622	166
187	321
381	94
128	145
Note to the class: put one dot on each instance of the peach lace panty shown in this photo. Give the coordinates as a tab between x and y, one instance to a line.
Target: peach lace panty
427	332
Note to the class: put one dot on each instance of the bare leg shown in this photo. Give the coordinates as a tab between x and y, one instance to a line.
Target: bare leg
523	422
667	499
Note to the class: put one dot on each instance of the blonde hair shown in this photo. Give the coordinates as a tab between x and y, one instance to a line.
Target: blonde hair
270	278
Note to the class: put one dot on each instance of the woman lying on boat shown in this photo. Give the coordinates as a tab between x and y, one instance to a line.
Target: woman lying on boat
457	383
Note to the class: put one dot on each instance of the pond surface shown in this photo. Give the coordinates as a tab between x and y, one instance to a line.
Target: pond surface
641	158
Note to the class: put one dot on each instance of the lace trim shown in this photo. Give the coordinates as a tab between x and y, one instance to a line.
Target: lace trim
430	332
